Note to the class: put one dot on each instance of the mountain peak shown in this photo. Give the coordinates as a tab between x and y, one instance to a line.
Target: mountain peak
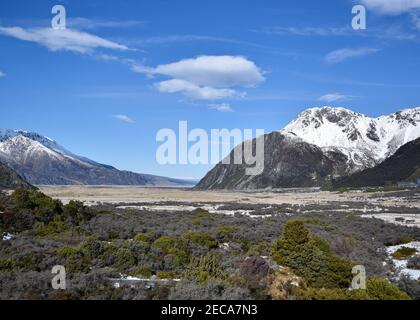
365	141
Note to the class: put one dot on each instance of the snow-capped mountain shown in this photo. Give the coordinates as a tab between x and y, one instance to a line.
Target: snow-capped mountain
320	146
41	160
403	165
365	141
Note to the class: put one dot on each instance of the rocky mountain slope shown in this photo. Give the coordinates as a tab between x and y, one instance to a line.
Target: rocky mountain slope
319	146
10	179
403	165
42	161
288	162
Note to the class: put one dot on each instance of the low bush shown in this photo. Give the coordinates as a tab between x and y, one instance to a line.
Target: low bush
143	272
403	253
165	275
204	269
311	258
202	239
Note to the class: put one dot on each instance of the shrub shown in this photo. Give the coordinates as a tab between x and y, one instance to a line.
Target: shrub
202	239
202	270
376	289
57	225
260	249
92	248
226	230
143	237
144	272
124	259
165	275
382	289
178	258
66	252
311	258
21	199
74	260
76	212
403	253
34	199
407	239
165	243
332	294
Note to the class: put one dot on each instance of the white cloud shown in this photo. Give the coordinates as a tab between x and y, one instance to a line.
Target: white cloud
221	107
62	40
206	77
2	74
348	53
84	23
309	31
123	117
193	91
332	97
215	71
391	7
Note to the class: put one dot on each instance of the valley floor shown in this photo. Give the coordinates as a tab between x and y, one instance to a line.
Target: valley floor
93	195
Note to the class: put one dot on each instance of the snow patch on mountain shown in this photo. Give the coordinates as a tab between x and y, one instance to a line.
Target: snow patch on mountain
21	146
365	141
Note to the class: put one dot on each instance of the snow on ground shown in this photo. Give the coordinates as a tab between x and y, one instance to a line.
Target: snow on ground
408	220
215	209
401	265
131	280
7	236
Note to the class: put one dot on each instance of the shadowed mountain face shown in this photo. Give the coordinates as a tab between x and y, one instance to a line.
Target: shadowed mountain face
403	165
320	145
10	179
41	161
288	162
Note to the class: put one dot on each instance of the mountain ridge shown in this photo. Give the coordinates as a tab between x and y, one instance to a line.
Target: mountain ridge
340	141
403	165
288	162
42	161
364	140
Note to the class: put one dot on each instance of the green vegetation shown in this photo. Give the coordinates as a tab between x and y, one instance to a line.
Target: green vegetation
311	258
403	253
143	237
165	275
203	239
407	239
143	272
124	259
376	289
97	244
204	269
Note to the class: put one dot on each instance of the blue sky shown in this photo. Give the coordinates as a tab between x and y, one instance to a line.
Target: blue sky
125	69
